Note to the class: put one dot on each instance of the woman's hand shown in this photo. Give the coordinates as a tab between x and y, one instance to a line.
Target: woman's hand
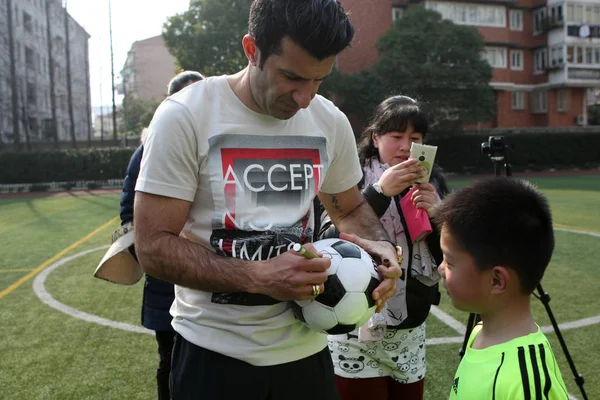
425	196
401	176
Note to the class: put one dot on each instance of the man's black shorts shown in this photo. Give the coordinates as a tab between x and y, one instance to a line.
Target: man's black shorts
201	374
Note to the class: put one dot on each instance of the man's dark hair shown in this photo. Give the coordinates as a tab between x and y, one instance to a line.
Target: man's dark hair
321	27
183	79
501	221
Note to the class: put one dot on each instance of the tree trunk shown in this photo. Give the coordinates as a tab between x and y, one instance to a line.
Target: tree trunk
112	71
88	94
25	109
13	78
69	78
51	70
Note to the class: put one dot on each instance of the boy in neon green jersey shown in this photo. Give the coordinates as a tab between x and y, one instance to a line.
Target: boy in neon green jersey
497	240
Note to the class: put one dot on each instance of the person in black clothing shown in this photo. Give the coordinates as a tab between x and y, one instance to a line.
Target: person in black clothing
396	362
158	295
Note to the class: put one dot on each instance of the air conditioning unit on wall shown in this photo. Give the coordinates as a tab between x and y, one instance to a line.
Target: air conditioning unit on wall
580	119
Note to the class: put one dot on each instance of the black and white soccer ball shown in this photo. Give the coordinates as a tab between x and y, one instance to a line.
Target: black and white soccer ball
347	302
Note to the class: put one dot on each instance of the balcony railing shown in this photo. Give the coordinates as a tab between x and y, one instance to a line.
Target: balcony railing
584	74
575	30
555	65
549	23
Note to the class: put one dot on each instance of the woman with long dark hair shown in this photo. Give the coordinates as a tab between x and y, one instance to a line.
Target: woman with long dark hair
394	366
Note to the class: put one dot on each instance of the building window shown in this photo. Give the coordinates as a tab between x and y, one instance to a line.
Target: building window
516	20
562	100
589	55
591	96
516	60
29	58
556	56
491	16
518	100
588	14
397	13
496	56
8	125
578	14
539	18
33	127
540	101
47	127
539	60
583	55
31	94
579	55
556	13
27	22
571	54
470	14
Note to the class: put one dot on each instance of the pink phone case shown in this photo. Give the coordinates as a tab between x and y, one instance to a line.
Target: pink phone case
417	220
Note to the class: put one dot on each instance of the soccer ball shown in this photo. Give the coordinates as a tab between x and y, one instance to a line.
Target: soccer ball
347	301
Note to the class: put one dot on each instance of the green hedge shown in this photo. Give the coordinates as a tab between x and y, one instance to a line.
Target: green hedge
461	153
94	164
458	153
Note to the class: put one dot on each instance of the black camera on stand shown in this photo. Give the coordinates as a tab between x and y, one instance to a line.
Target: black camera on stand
497	150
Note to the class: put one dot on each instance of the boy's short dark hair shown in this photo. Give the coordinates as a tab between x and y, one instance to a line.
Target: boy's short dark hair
501	221
182	79
321	27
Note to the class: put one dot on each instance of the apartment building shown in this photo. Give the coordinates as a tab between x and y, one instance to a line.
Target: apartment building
545	54
35	76
148	69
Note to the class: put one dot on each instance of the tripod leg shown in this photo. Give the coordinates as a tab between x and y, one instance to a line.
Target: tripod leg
470	325
545	299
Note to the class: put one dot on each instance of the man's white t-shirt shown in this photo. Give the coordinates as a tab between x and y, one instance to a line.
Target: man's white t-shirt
251	179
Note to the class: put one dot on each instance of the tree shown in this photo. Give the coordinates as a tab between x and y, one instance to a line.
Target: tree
357	94
208	37
433	60
136	113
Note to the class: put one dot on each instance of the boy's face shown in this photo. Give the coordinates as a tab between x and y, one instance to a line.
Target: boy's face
465	284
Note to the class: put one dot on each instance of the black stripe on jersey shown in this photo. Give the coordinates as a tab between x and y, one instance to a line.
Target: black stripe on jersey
547	380
524	374
496	377
536	372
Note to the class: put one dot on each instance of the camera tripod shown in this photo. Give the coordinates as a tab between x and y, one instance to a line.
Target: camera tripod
497	151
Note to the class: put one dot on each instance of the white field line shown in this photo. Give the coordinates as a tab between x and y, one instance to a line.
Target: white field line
459	327
46	298
594	234
449	320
